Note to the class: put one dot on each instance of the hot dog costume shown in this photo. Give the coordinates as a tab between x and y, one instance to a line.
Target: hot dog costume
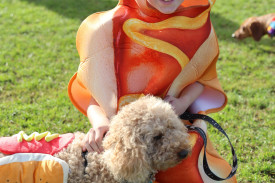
134	50
30	158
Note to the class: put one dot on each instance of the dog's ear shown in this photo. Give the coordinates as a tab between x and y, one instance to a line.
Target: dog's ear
126	157
257	30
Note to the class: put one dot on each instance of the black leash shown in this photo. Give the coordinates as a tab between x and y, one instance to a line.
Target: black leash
209	173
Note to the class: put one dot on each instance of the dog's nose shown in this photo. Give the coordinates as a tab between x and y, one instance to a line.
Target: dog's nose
182	154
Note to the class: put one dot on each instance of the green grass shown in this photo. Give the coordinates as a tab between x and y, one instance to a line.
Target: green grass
38	57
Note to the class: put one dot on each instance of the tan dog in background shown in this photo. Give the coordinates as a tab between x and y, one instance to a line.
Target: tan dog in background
255	27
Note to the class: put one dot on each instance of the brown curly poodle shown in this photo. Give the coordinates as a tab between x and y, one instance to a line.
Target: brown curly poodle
144	137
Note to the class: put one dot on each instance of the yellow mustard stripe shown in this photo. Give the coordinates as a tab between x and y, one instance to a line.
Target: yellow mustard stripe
133	29
37	136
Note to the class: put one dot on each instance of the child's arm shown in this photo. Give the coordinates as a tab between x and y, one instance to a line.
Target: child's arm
187	97
94	43
93	139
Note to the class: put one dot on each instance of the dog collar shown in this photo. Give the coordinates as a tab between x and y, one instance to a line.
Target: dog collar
271	28
83	154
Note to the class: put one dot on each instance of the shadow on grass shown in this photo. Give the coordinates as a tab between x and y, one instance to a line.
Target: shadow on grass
77	9
80	9
224	27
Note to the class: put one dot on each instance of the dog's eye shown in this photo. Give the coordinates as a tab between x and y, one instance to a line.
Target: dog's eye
158	137
244	28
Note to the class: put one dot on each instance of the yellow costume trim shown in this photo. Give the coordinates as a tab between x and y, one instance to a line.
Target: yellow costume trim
133	28
127	99
37	136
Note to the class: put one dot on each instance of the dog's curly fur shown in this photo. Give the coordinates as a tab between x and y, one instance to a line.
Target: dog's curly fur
144	137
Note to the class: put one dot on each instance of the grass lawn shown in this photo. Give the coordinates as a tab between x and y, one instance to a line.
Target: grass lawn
38	57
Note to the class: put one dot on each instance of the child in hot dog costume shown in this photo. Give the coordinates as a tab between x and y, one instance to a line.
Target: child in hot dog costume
165	48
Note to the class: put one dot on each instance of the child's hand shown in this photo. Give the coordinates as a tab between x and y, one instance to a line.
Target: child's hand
178	104
93	139
92	142
187	97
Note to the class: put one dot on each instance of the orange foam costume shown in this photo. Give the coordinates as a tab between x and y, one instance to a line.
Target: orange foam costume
33	168
133	50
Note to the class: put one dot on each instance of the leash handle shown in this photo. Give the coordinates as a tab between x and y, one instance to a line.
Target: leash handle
209	173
